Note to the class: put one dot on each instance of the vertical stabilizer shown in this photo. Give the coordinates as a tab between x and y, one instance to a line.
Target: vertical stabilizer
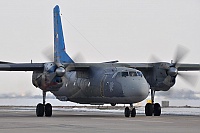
60	55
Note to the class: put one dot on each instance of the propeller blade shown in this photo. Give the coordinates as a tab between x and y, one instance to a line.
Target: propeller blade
181	52
154	58
51	76
167	81
48	53
190	78
79	58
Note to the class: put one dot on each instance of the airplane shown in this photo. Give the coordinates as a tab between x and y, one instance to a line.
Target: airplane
99	83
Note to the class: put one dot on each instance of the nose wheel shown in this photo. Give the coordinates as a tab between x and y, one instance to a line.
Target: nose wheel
130	111
42	109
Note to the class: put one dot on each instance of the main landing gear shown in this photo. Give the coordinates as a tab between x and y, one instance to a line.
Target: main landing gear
130	111
152	108
42	109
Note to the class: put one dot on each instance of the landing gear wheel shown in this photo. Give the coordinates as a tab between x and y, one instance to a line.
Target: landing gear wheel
127	112
157	109
40	110
48	110
113	104
148	109
133	112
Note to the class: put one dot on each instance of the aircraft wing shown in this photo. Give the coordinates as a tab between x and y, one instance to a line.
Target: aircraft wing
181	67
188	67
6	66
141	65
3	62
77	66
86	66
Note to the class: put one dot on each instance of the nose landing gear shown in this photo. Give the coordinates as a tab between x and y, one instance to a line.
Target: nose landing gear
42	109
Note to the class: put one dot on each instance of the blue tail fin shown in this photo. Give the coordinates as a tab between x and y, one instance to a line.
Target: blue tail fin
59	45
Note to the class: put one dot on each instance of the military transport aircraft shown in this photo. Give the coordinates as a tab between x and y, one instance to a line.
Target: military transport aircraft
99	83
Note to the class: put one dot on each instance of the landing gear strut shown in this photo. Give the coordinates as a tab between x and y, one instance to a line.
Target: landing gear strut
130	111
42	109
152	108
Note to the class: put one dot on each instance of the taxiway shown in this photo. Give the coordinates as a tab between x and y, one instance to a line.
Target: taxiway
22	120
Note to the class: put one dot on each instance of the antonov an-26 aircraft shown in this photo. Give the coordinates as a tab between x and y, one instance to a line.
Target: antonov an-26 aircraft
99	83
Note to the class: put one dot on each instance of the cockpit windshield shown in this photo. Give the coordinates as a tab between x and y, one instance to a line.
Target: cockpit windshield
132	74
124	74
128	73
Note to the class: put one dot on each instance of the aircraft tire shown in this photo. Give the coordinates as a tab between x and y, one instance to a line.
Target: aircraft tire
157	109
149	109
113	104
127	112
133	112
40	110
48	110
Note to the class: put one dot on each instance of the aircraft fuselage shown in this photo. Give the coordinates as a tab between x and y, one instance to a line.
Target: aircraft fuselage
103	85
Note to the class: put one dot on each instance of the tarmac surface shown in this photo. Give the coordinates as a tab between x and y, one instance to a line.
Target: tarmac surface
22	120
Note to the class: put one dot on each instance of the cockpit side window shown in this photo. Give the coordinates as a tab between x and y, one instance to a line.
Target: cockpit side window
132	74
124	74
139	73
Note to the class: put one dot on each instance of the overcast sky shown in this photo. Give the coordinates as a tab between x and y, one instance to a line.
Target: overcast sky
124	30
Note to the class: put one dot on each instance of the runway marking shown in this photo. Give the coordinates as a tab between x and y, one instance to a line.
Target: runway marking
134	120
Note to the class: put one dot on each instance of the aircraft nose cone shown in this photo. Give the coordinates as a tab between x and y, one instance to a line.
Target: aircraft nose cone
142	90
138	90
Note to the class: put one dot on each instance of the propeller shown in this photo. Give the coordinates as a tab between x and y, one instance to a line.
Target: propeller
181	52
48	53
59	69
191	79
78	58
172	68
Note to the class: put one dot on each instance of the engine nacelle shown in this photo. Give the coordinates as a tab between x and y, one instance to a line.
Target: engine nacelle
44	82
162	77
